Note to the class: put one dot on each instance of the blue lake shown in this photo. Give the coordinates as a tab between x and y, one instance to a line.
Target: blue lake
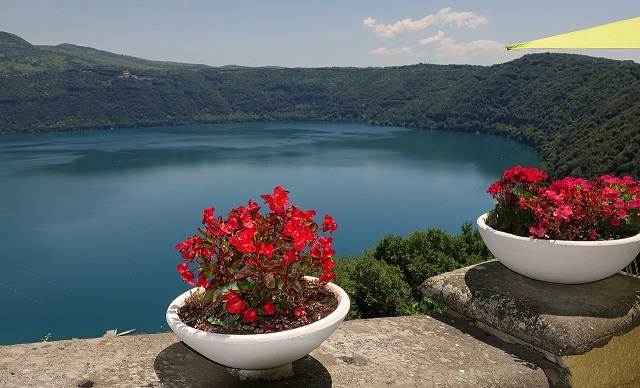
89	220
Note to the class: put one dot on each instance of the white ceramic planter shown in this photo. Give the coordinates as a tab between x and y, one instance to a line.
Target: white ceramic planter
259	356
559	261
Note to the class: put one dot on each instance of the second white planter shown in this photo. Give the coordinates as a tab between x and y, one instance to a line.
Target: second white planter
559	261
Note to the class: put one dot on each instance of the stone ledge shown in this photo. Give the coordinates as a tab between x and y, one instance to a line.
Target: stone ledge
591	331
438	351
560	319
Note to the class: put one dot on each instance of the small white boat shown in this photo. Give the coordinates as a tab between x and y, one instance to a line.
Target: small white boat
126	332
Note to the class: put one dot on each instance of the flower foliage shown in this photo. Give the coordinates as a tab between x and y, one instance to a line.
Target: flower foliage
567	209
251	264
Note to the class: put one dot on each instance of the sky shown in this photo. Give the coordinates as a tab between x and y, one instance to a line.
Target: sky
312	33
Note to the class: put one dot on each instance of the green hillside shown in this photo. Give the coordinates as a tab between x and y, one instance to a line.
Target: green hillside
582	113
19	56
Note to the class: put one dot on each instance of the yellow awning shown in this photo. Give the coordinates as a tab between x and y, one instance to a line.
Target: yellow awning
624	34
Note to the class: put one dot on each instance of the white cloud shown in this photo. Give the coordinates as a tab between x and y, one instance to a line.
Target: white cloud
447	47
393	51
438	38
440	45
444	16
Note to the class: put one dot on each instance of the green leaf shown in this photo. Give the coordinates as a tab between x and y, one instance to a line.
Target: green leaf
216	321
297	286
248	284
233	319
216	295
229	287
269	281
208	296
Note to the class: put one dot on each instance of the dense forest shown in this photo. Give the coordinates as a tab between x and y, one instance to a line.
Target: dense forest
581	113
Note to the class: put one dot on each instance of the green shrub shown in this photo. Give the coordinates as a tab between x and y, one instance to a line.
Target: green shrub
344	269
387	280
426	254
376	289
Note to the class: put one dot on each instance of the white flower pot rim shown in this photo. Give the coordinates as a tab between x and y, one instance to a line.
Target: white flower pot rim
482	222
259	351
338	313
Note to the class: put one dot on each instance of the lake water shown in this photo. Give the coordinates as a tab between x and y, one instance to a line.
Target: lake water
89	220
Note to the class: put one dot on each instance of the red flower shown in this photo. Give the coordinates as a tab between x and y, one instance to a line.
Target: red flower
249	315
230	226
555	197
327	277
244	241
231	295
202	281
328	225
188	277
300	312
611	193
207	216
278	200
265	249
183	246
182	267
235	305
269	309
265	256
290	257
325	244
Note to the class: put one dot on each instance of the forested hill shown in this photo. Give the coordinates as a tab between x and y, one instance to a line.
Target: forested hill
582	113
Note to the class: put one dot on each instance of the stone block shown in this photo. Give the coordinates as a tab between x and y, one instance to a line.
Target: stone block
589	330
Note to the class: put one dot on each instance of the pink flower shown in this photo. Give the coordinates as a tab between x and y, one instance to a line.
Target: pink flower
538	232
611	193
555	197
620	203
563	211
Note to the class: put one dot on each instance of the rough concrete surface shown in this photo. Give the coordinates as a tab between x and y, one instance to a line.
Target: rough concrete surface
419	351
557	318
